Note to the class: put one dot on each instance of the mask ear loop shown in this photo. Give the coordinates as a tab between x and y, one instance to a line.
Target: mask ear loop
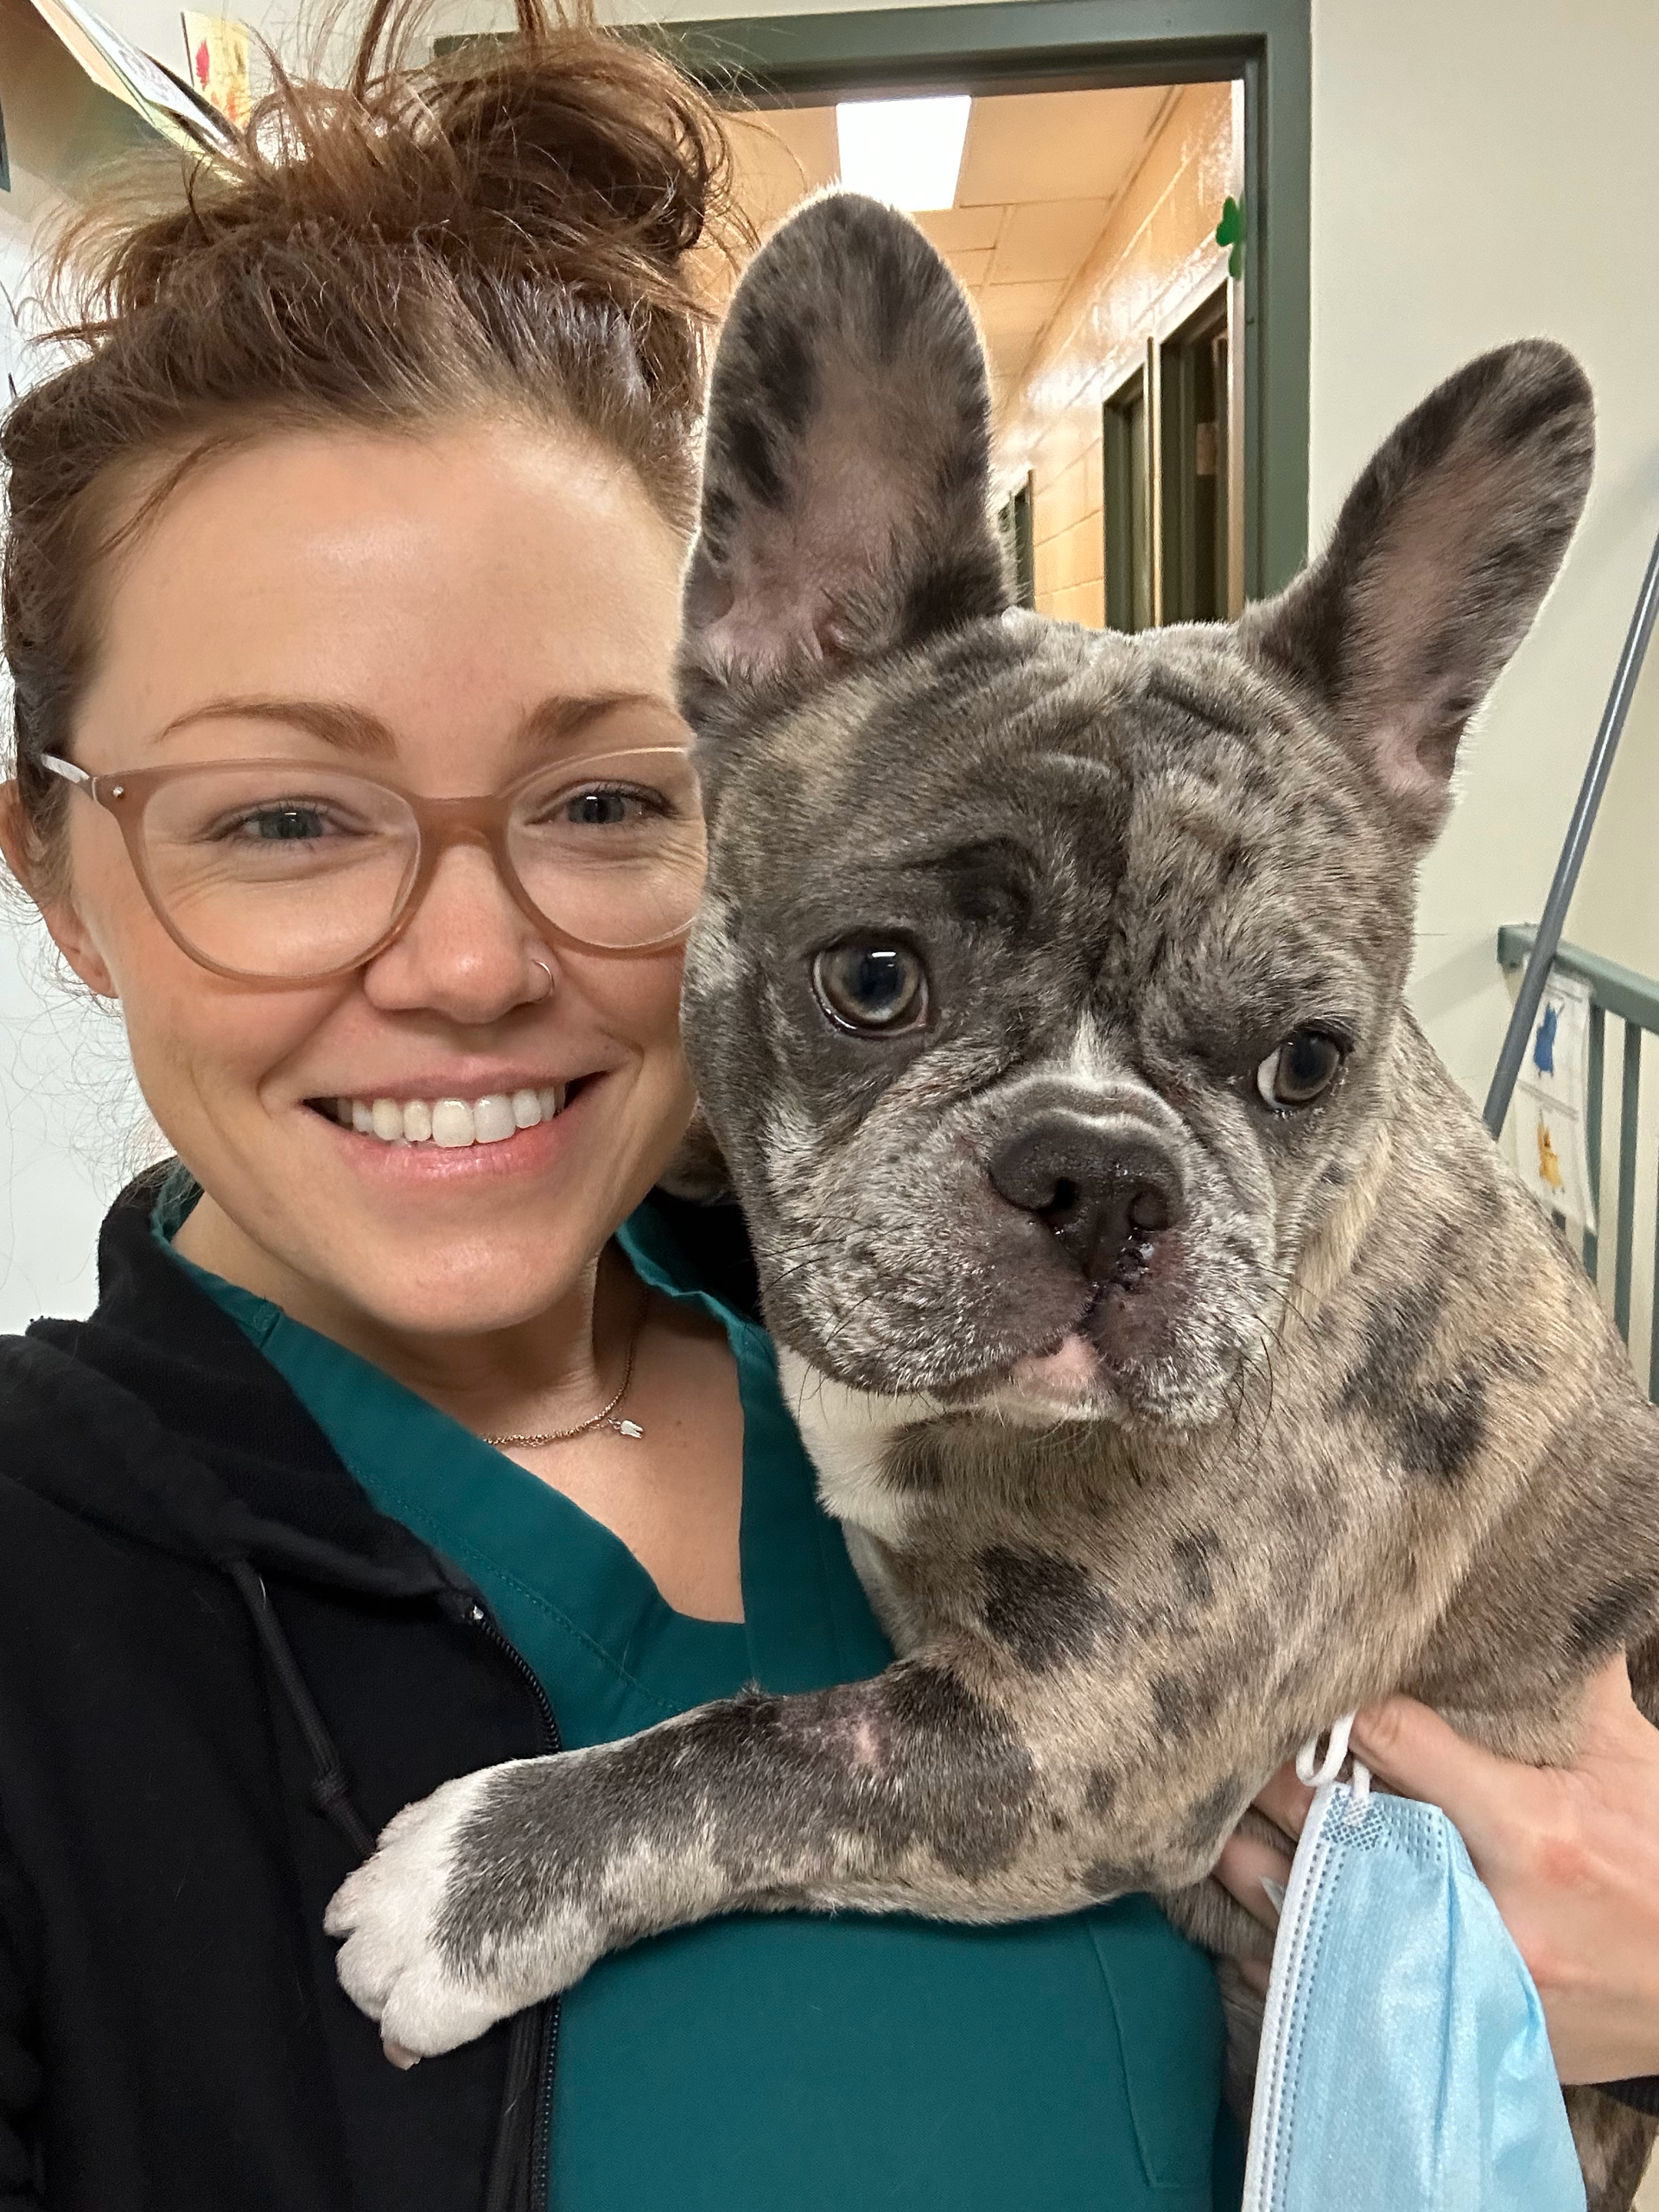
1317	1773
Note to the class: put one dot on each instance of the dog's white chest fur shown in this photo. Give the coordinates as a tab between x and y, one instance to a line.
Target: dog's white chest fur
847	1434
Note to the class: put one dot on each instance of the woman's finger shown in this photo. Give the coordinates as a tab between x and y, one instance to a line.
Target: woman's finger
1418	1754
1246	1867
1286	1801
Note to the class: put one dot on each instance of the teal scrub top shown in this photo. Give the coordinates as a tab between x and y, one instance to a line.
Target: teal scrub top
765	2062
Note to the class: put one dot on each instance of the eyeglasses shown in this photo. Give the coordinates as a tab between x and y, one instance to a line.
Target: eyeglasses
288	871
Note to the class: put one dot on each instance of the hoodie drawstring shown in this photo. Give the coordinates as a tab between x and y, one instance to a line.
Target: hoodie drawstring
330	1789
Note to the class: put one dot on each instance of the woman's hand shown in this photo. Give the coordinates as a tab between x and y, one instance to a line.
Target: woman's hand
1570	1854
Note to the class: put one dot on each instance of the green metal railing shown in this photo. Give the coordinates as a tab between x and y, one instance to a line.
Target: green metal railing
1633	1000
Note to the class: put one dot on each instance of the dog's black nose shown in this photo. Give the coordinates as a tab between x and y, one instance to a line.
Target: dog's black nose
1104	1192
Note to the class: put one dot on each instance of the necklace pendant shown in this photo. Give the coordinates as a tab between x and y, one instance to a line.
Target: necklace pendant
627	1428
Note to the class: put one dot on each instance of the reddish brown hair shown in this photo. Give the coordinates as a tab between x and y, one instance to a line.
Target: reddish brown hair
515	228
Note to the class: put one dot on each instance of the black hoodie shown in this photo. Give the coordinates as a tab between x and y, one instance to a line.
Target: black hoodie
221	1672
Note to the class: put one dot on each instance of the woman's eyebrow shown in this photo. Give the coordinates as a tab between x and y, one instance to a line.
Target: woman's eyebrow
354	729
555	721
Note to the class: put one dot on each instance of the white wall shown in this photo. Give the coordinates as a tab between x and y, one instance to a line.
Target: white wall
1481	169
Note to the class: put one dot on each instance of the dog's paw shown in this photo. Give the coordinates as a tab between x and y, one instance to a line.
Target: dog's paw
455	1923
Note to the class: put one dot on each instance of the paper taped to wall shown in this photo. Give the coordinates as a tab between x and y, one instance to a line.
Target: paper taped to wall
1551	1113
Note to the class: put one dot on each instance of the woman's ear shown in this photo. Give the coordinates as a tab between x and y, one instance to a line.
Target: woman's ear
63	919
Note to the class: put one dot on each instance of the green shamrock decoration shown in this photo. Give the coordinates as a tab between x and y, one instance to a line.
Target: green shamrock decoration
1229	230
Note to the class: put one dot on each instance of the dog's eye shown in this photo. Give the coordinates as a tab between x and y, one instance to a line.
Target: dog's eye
873	989
1304	1067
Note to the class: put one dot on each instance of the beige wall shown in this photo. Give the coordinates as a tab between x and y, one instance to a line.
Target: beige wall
1157	256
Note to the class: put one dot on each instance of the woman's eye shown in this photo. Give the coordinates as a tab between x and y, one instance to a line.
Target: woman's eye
872	988
1301	1071
280	824
602	810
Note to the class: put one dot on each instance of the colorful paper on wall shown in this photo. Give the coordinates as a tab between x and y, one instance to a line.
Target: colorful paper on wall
1551	1115
165	102
217	49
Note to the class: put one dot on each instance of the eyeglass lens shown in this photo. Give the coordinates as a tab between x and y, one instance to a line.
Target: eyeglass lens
295	872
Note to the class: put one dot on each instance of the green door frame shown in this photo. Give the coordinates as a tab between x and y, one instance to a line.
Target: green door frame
986	46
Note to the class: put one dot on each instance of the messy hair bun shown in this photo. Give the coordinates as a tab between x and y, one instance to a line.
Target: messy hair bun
518	227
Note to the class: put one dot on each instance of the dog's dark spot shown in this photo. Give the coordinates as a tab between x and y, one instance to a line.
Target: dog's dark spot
783	363
913	1461
890	291
1443	1435
1191	1556
951	588
1610	1620
1561	394
1444	650
1204	1827
989	883
1101	1793
1436	1423
1047	1610
969	1788
1186	1703
748	447
1102	1880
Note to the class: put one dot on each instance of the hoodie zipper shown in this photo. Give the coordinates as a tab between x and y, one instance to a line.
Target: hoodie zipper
478	1616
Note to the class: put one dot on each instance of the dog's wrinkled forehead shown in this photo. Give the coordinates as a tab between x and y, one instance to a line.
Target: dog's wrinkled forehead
1143	823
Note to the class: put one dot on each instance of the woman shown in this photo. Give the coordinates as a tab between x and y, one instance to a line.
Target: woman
410	1432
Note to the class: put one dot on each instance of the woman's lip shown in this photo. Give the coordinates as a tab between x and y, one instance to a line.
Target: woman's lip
526	1151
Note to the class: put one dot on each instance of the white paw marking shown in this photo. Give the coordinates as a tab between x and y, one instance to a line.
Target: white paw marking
388	1911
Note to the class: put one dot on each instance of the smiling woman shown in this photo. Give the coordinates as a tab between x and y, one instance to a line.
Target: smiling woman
417	1428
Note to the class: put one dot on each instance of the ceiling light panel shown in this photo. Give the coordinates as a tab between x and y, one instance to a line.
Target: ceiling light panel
906	152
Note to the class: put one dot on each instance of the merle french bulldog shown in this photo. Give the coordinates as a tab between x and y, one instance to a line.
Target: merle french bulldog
1185	1364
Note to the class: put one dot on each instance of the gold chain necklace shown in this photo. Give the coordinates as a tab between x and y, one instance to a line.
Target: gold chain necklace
605	1418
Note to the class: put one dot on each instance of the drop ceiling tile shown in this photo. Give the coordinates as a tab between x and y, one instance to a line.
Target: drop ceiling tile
1016	309
1026	146
1047	240
779	154
962	230
972	269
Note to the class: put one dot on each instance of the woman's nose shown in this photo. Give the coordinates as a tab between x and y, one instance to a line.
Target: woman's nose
467	950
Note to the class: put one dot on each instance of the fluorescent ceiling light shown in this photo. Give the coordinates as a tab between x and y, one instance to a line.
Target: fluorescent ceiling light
906	152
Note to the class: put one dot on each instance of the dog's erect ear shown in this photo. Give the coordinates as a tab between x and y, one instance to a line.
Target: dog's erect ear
846	470
1440	559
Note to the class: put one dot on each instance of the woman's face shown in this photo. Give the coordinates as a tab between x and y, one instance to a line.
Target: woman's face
459	595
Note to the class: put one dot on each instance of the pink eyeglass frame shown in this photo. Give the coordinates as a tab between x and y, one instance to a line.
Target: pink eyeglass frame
439	823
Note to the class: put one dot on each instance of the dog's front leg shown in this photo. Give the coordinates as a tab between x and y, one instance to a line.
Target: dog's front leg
918	1792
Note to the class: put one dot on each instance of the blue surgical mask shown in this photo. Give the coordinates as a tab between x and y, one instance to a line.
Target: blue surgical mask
1404	2065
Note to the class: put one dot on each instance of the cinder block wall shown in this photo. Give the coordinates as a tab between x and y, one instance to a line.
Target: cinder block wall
1155	259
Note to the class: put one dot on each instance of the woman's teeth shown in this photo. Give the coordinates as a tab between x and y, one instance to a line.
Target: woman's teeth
450	1122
